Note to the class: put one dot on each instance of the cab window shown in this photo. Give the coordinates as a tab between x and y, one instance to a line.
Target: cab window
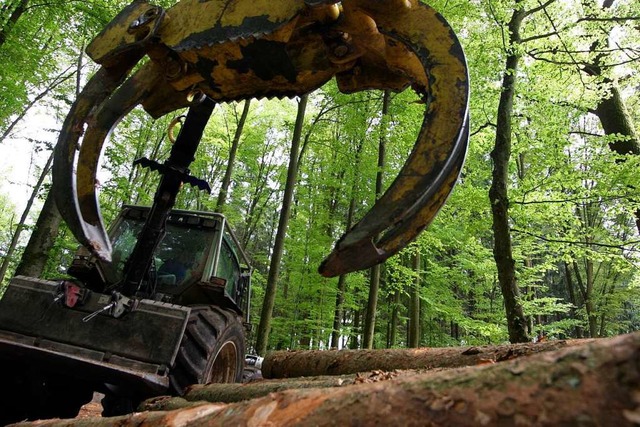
228	267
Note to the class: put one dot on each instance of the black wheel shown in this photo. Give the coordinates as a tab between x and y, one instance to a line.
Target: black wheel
212	349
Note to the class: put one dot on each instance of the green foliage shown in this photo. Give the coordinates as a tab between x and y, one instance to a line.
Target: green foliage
575	244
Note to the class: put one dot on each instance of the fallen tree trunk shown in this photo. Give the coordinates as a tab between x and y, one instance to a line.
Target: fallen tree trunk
288	364
329	362
593	384
229	393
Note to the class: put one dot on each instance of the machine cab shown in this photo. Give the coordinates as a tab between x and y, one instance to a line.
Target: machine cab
198	260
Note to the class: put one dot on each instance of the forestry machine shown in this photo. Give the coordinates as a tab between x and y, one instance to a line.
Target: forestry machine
124	321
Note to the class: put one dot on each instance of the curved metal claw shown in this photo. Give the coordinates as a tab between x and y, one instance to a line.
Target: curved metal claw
74	190
285	48
430	172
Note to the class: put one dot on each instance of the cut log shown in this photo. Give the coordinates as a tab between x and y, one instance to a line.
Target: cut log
229	393
594	384
288	364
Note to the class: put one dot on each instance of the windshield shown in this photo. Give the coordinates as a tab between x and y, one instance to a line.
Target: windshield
180	257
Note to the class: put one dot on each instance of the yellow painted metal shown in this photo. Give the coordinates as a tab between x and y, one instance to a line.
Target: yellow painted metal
118	36
240	49
430	172
193	17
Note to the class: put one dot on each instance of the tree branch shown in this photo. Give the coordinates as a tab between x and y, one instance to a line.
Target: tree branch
541	6
573	200
577	242
484	126
610	19
539	36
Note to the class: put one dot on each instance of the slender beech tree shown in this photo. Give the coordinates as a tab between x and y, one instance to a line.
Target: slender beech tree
414	312
374	284
498	193
278	249
226	181
23	218
342	280
43	238
7	25
611	109
36	253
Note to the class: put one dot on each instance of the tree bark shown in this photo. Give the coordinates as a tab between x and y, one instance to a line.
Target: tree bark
23	218
414	312
11	22
612	111
338	313
498	193
289	364
393	327
226	181
36	253
229	393
374	284
354	338
372	306
592	384
572	297
264	327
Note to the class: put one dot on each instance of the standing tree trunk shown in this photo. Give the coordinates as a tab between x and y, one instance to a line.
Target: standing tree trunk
274	269
612	111
259	198
572	298
354	338
414	312
6	27
43	237
502	250
342	280
616	120
23	218
393	327
372	306
338	312
36	254
586	291
374	286
226	181
55	82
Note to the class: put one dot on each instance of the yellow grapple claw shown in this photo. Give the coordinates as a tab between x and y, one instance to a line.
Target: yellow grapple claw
241	49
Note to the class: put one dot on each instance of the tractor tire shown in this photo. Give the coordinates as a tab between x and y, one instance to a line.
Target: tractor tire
212	349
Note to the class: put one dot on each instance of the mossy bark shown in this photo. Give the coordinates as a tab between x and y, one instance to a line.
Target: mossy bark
592	384
289	364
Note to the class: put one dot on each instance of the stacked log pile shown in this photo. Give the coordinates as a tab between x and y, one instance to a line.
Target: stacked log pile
595	382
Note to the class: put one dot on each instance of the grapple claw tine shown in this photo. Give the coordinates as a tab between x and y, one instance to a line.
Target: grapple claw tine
364	253
430	172
74	190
